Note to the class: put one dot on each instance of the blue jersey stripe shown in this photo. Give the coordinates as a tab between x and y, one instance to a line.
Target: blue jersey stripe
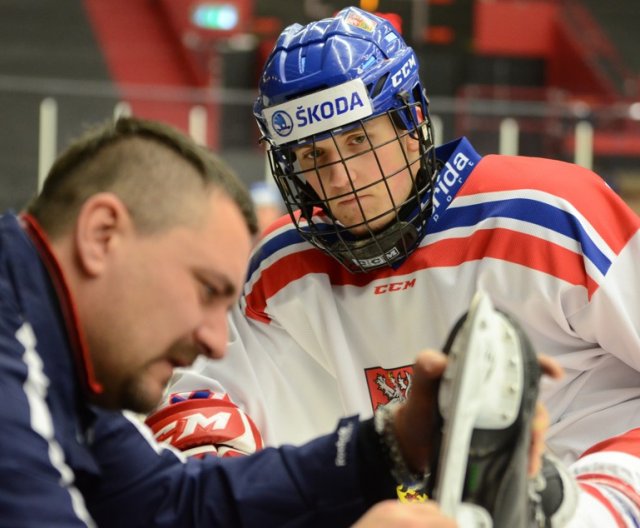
526	210
271	246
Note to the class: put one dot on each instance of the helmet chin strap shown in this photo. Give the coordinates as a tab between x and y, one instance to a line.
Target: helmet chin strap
383	249
388	246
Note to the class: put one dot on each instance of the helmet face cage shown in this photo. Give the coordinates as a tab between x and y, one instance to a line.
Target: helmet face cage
406	216
371	239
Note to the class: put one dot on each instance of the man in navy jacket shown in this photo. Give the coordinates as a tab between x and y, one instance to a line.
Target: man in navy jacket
123	268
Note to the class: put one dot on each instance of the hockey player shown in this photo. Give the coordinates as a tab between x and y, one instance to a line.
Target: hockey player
388	238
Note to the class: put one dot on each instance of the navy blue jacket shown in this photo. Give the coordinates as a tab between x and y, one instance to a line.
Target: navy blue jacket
64	462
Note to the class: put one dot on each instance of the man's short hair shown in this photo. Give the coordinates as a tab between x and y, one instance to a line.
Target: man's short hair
153	168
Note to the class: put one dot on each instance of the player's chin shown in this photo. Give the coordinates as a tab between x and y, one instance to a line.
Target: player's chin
363	228
353	221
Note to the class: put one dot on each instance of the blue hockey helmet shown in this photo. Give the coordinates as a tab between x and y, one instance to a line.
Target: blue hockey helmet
327	78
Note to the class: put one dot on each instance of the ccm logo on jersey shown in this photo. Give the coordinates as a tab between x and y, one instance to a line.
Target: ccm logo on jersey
394	287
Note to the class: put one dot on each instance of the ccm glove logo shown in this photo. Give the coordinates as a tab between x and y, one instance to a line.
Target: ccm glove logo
191	423
199	426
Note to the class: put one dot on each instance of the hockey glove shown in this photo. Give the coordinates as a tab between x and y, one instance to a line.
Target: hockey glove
202	422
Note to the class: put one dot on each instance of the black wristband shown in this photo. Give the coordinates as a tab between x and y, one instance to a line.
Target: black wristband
374	466
383	422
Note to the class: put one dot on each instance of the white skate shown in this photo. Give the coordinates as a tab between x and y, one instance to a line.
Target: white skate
486	400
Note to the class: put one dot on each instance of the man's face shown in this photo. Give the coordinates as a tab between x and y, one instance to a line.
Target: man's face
380	175
166	302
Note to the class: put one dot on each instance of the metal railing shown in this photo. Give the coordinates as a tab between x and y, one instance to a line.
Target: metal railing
550	126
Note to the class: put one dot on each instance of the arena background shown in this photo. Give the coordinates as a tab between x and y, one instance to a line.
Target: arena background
555	78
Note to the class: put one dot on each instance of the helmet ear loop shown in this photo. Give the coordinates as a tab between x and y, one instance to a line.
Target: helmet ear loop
428	161
419	120
427	142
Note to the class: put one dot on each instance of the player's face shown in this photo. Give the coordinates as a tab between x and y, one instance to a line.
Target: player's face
175	289
363	175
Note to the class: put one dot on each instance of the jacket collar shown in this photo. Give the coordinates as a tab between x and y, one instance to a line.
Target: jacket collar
67	306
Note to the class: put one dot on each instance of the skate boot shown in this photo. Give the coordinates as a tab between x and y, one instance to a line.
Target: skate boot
486	400
553	495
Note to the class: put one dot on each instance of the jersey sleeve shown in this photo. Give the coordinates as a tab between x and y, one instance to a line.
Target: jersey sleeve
605	368
600	338
608	236
612	318
608	475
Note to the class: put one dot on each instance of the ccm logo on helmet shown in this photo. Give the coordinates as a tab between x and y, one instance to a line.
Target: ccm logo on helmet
404	72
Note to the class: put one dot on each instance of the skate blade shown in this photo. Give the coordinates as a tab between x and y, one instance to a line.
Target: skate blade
480	389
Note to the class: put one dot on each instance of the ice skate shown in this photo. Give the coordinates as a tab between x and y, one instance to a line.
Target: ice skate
486	400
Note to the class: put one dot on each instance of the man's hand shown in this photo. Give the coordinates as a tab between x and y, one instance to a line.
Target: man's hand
394	514
550	367
415	421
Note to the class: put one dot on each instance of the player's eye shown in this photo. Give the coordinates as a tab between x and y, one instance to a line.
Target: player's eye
312	154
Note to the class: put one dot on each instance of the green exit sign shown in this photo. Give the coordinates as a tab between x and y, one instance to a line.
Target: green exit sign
221	17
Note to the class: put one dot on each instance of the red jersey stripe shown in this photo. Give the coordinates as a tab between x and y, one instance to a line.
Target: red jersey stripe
614	483
499	243
597	494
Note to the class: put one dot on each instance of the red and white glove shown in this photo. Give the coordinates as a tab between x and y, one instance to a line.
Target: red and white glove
202	422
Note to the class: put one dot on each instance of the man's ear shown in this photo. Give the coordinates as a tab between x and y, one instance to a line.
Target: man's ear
102	223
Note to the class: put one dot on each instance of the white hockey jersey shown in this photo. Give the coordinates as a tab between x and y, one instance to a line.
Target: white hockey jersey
550	242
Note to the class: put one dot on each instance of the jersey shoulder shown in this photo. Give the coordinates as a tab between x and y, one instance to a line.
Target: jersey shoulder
553	187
